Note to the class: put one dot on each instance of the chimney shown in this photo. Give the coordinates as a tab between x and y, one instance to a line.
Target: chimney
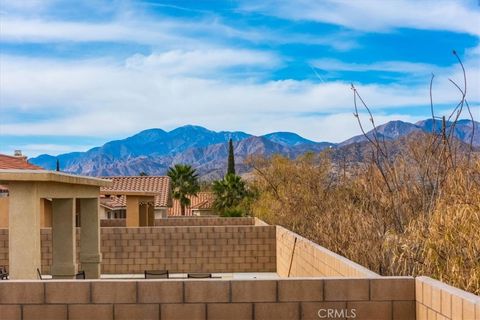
18	154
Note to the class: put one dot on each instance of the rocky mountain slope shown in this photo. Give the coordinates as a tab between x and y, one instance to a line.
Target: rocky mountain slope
153	151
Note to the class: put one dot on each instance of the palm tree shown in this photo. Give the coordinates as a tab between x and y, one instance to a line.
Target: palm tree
184	184
229	192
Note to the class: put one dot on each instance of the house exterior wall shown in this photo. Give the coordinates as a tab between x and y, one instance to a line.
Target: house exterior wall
3	212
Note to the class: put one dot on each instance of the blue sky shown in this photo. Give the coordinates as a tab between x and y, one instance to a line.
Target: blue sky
76	76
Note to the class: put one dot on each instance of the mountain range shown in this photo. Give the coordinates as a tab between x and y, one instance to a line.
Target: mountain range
153	151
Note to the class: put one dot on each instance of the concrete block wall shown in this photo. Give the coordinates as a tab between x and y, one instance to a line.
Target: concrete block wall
293	299
299	257
204	221
189	249
439	301
177	249
108	223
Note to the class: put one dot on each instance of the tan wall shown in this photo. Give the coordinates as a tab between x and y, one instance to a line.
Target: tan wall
299	257
439	301
45	213
382	299
3	212
205	221
177	249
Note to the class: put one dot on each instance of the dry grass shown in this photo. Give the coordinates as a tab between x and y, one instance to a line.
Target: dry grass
416	215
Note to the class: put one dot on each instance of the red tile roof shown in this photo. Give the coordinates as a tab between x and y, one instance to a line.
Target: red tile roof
203	201
160	185
10	162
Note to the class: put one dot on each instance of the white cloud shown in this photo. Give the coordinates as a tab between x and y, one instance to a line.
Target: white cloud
197	62
385	66
105	98
379	16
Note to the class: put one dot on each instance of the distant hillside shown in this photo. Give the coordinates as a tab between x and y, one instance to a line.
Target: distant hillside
393	130
154	150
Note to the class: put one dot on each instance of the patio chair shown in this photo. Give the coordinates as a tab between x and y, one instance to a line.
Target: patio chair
199	275
156	274
3	273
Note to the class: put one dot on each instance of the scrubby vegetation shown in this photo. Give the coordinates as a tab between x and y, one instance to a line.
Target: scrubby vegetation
414	213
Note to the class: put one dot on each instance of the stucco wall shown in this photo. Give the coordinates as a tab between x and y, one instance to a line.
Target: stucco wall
3	212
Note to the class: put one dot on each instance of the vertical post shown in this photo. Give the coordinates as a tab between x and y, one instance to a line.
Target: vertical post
90	256
24	230
133	212
64	264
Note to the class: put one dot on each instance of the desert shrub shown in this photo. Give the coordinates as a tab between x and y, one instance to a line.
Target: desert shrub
393	232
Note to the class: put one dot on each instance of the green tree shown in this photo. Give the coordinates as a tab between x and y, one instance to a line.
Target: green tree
229	194
231	158
143	174
184	184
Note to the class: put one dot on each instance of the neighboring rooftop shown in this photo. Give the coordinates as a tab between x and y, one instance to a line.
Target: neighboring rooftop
202	201
115	195
16	162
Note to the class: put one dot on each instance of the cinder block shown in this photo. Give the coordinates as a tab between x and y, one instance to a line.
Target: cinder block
21	292
421	311
371	310
159	291
346	289
90	311
436	297
254	291
277	311
322	310
457	307
432	315
231	311
446	307
45	311
136	311
114	291
193	311
67	292
300	290
403	310
427	294
392	289
10	312
468	309
207	291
